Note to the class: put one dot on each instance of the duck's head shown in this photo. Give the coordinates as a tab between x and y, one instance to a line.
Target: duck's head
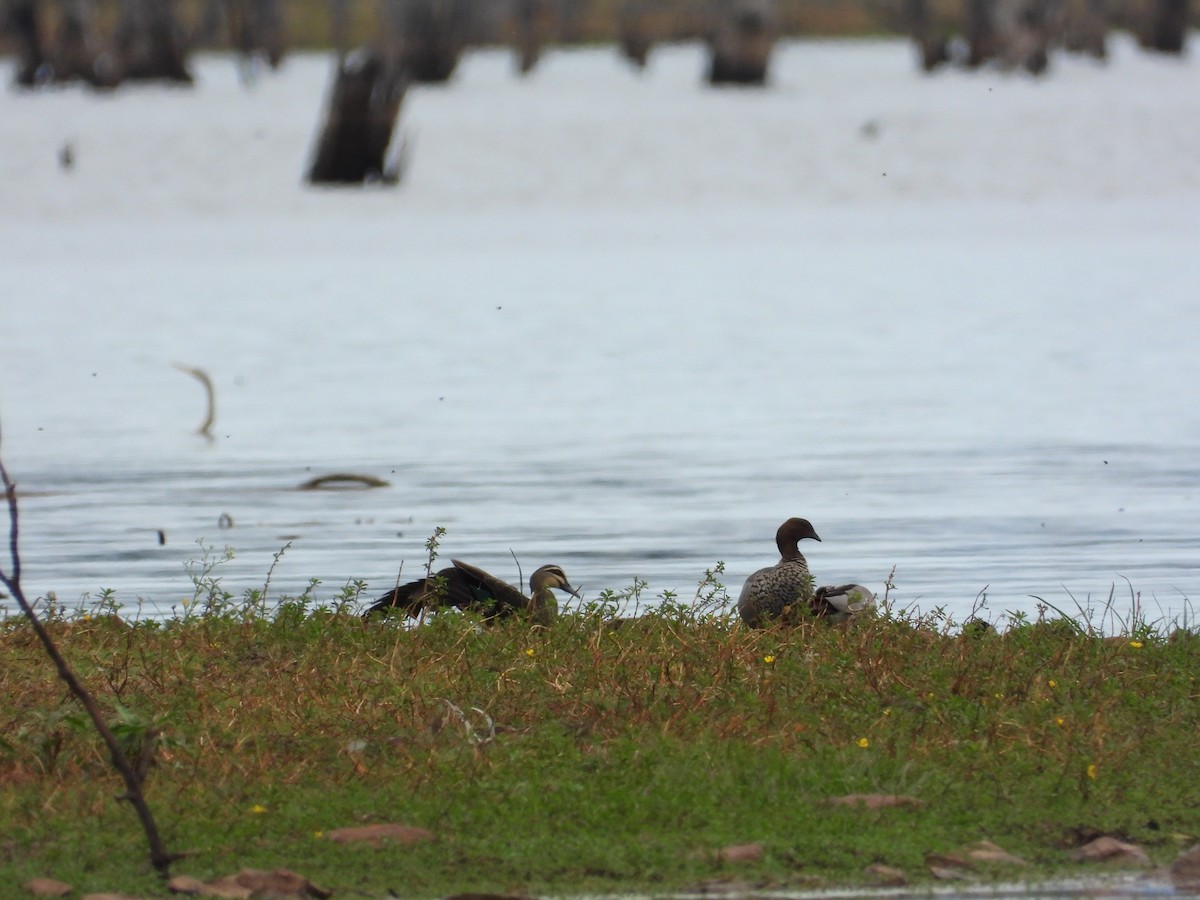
791	533
550	577
543	605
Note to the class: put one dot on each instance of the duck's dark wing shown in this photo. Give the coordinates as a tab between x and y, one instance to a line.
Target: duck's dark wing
418	595
462	585
483	592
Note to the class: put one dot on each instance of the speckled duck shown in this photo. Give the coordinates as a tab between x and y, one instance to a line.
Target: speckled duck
786	589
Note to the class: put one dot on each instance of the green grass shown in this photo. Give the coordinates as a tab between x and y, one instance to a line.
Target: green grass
588	758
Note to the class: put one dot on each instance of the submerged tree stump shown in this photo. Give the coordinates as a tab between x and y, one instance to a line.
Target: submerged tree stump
339	25
741	36
932	44
533	25
1024	31
78	52
74	52
20	20
364	104
1011	33
254	28
1164	26
636	29
980	32
149	42
429	36
1085	27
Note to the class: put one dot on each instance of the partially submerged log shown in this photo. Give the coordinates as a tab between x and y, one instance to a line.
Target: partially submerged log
342	481
363	106
741	36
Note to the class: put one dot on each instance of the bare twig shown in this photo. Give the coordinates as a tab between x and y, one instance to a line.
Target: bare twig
159	857
520	574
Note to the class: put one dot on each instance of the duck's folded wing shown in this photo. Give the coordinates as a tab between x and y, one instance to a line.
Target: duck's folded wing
415	596
476	589
846	599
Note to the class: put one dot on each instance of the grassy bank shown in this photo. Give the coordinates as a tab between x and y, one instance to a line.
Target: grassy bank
591	758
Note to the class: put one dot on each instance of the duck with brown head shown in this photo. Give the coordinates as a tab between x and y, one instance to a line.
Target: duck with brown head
785	591
465	586
769	593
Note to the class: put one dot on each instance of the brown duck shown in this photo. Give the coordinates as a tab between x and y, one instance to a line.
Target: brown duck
786	589
465	586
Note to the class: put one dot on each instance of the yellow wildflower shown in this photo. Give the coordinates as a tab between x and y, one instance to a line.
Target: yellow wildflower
1091	771
258	809
1136	645
768	659
318	834
529	652
1052	683
1058	720
863	742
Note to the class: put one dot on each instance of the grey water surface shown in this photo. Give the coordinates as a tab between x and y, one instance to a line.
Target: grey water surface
622	323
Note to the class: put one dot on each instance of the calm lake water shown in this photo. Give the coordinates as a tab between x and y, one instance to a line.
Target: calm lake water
620	322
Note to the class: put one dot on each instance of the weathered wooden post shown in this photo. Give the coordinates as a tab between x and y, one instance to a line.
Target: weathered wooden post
361	114
149	42
741	36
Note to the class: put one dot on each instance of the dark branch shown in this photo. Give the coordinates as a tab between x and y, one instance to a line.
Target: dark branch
159	857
